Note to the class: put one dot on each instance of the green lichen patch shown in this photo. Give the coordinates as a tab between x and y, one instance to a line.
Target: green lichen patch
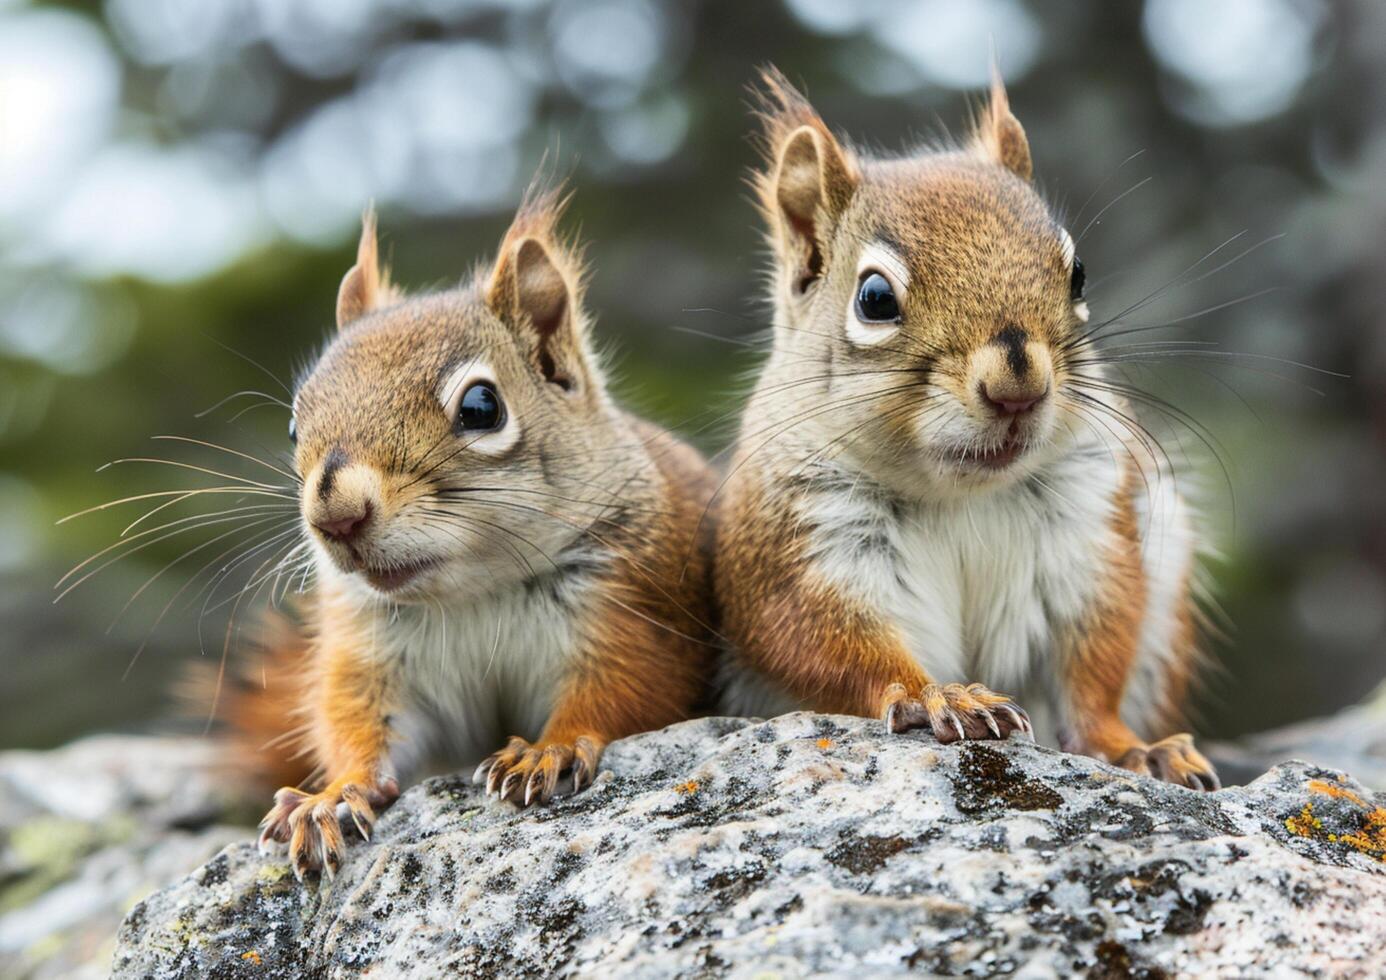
47	851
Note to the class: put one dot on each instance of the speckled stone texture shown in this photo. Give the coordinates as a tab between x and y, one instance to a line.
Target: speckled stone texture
86	831
811	845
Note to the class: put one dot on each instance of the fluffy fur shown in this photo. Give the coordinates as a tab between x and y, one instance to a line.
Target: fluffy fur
537	587
926	507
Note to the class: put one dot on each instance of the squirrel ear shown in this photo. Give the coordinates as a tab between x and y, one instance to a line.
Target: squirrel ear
998	135
366	286
807	181
536	288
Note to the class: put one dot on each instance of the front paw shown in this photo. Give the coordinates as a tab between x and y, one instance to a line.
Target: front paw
308	823
524	773
1173	760
954	712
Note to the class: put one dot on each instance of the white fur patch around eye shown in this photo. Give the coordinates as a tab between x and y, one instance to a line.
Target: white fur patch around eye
877	257
450	393
1080	308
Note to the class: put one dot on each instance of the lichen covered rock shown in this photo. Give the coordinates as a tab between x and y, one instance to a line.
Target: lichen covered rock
804	845
87	830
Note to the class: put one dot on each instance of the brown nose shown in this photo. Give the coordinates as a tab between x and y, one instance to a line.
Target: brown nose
344	529
1012	403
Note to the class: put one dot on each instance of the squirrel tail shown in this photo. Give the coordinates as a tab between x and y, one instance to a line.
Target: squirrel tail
256	709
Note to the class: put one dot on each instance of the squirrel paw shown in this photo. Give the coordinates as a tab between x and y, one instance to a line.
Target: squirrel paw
1174	760
955	712
308	823
525	774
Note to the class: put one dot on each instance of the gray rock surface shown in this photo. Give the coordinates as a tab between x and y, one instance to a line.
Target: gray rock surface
811	845
85	832
1353	740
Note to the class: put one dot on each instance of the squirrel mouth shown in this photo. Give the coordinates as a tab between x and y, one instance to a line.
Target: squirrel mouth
396	577
989	458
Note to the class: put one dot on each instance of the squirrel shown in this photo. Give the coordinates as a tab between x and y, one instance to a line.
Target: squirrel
499	549
932	494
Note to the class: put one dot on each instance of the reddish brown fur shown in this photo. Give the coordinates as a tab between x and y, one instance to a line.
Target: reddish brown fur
259	709
831	654
641	649
984	253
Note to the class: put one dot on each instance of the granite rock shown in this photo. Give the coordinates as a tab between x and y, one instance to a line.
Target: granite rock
811	845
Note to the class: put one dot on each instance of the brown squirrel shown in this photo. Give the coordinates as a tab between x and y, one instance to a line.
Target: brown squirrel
498	548
933	485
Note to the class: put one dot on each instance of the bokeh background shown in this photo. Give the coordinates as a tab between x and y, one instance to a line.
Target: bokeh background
180	185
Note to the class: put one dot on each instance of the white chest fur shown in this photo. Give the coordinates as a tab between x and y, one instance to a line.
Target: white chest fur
977	586
472	674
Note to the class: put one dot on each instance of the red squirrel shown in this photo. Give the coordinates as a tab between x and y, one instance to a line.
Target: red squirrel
933	497
499	550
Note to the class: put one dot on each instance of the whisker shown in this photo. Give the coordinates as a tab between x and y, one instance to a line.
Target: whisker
179	464
244	491
234	452
1078	238
244	394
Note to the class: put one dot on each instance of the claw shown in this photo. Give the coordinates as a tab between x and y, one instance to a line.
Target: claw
330	849
309	824
991	723
1173	760
299	844
957	725
1019	719
493	780
525	774
506	785
362	813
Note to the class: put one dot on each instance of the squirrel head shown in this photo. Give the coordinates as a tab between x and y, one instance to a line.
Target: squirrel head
444	440
932	296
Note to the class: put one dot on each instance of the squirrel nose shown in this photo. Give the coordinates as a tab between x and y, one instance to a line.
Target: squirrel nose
344	529
1011	402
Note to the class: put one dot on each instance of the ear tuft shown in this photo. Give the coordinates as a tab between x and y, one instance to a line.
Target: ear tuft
536	288
806	179
998	135
366	286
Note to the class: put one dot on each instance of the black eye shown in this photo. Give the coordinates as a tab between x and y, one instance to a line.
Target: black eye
1079	280
876	300
293	430
479	410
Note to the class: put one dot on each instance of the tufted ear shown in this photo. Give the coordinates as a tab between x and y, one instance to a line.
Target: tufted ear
806	181
998	135
536	288
366	286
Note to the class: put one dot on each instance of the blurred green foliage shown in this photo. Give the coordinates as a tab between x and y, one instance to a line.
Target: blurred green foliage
658	170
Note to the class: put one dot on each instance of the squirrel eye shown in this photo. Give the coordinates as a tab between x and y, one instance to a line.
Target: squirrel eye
1079	280
876	301
479	410
293	430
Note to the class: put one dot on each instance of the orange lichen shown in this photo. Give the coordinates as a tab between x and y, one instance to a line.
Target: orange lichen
251	956
1369	838
1305	824
825	743
1337	792
688	788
